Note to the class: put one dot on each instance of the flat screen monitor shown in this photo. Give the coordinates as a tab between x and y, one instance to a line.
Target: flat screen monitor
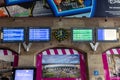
107	34
24	73
13	35
39	34
82	35
13	2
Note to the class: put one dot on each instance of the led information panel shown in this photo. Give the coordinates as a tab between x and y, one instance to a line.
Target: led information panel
107	34
11	2
24	74
81	34
13	35
39	34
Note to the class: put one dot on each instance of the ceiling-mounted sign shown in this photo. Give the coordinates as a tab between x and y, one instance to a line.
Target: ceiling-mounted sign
107	34
82	35
13	34
39	34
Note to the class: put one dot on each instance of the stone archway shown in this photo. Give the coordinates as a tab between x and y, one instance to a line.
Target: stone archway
8	60
60	52
111	64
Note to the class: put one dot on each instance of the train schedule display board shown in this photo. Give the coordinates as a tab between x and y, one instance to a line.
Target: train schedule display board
13	35
107	35
39	34
82	35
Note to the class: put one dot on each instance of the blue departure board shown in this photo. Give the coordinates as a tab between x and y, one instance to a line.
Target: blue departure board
39	34
12	2
13	35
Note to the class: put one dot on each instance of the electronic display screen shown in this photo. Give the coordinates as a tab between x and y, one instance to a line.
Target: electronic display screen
12	2
24	74
13	35
81	34
107	34
39	34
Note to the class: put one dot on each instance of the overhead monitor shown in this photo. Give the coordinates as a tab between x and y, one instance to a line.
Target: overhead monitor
107	34
82	35
24	74
13	34
13	2
39	34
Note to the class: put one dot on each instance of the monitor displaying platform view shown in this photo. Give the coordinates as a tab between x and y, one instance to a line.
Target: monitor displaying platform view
82	34
24	74
39	34
107	34
13	35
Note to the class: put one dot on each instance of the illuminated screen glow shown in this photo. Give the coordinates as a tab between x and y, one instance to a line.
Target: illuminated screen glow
11	35
82	34
24	75
10	2
107	34
39	34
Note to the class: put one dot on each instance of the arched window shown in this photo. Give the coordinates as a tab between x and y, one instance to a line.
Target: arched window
60	64
111	64
8	59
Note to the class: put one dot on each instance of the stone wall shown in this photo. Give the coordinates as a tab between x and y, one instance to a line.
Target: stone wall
93	57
